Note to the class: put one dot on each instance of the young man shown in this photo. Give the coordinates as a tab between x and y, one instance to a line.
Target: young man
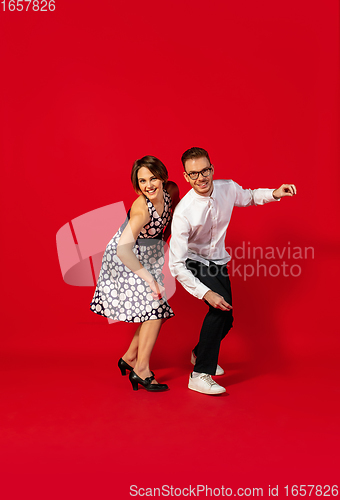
198	256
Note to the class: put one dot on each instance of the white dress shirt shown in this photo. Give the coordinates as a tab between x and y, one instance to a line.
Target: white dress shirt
199	228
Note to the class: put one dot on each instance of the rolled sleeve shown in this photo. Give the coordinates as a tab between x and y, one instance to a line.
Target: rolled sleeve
247	197
262	196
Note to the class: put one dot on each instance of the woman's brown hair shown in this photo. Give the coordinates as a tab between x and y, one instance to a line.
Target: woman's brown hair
156	167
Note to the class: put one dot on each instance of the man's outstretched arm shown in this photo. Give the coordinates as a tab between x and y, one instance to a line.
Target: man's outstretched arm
260	196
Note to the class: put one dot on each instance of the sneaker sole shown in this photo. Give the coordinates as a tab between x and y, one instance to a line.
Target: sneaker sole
207	393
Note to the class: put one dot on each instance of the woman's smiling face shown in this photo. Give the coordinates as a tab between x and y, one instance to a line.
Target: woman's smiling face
149	185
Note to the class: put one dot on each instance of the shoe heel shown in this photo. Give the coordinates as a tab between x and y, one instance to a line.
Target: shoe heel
123	366
134	384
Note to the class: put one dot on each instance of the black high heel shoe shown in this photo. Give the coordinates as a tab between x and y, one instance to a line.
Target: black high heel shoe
123	366
147	383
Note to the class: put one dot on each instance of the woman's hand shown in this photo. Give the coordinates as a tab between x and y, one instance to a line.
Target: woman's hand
157	291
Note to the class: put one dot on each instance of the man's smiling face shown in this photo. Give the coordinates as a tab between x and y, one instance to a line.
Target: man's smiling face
202	185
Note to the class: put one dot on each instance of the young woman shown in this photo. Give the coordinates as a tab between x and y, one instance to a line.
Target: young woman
130	285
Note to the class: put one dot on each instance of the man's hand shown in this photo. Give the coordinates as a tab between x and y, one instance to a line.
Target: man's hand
284	190
217	301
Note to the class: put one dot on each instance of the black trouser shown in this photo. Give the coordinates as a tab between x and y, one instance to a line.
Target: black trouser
217	323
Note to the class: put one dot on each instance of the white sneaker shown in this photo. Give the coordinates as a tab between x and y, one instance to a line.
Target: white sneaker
219	369
205	384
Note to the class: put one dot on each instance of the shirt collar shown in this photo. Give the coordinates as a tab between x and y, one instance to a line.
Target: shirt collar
200	197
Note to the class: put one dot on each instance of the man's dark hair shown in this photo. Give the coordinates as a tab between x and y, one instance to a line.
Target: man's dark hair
194	153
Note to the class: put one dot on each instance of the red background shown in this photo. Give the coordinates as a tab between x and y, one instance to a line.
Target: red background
86	90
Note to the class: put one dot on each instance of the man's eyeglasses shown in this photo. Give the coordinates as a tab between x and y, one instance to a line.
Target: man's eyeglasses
195	175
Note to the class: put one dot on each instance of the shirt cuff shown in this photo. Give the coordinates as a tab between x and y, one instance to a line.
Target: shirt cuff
262	196
201	290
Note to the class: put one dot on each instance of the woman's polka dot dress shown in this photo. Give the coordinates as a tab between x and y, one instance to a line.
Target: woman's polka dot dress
120	294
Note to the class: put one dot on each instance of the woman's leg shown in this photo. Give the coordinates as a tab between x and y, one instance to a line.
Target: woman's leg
130	357
148	333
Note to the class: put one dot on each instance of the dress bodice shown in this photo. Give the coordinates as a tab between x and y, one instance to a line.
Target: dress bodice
155	227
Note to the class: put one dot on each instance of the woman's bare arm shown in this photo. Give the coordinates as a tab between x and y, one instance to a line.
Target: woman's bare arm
139	216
